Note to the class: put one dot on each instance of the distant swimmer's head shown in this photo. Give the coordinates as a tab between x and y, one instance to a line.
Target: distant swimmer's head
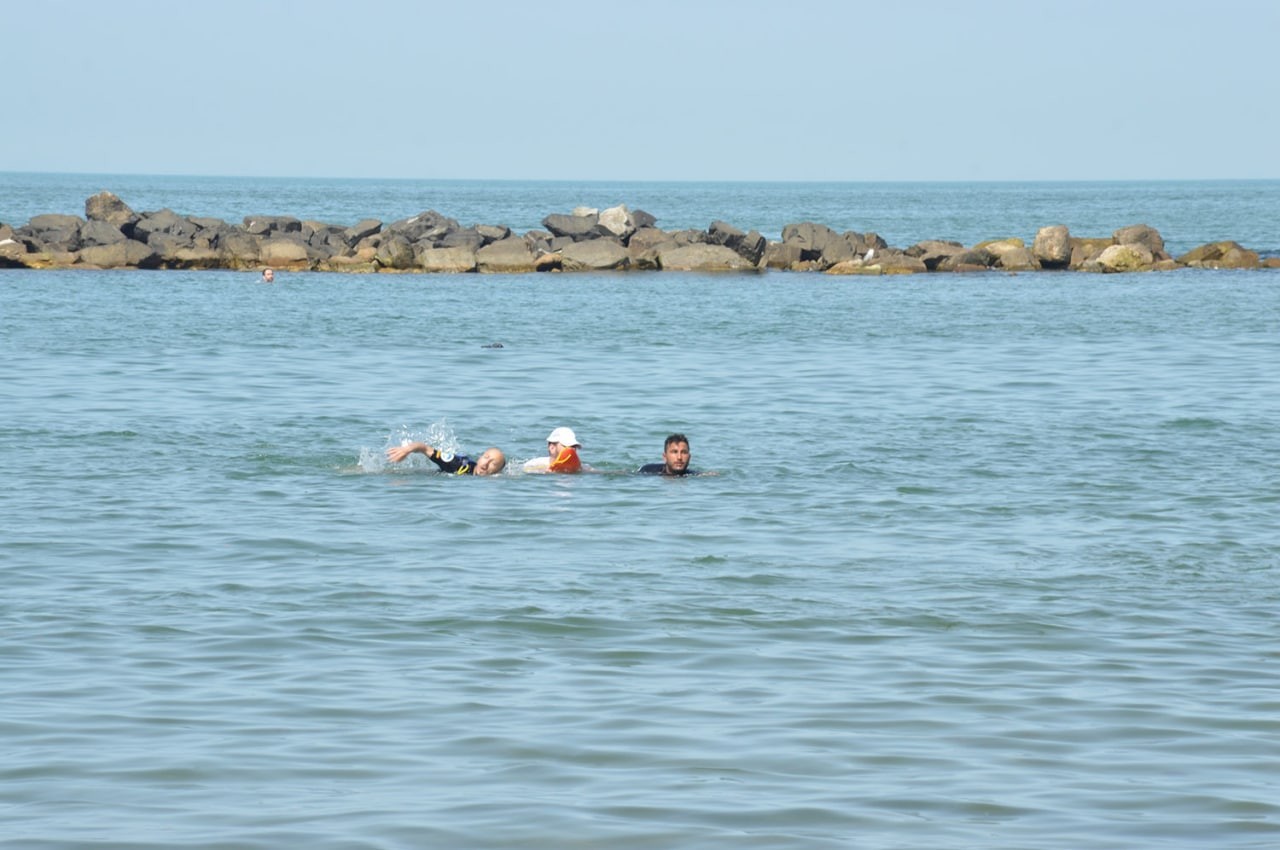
491	462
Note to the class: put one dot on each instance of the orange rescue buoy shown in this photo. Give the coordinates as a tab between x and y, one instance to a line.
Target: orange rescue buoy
566	461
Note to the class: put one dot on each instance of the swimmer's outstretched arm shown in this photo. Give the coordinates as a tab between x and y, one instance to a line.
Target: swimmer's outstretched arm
395	454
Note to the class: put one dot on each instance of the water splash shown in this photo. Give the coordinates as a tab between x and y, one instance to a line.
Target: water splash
440	435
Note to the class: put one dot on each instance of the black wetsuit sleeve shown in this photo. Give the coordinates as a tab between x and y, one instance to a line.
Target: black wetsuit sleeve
453	464
661	469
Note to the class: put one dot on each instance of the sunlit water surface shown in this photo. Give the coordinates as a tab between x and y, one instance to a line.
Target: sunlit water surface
989	562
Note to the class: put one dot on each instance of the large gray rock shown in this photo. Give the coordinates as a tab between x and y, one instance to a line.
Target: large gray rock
537	240
895	262
109	209
703	258
616	221
999	247
1018	260
167	245
261	225
195	258
425	226
854	267
723	233
239	250
457	260
642	219
812	238
507	256
359	262
648	237
285	250
467	237
1052	246
643	247
576	227
972	259
495	232
55	221
594	255
752	247
841	247
1221	255
546	261
783	255
12	249
395	252
1141	234
1122	258
166	222
933	252
127	253
1086	249
209	232
323	236
881	262
96	232
52	233
862	242
690	237
335	242
749	246
360	230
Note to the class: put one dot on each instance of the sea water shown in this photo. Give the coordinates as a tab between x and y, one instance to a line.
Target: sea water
988	560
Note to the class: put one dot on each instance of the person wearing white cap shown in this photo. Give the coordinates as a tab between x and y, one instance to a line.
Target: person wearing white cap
561	438
562	453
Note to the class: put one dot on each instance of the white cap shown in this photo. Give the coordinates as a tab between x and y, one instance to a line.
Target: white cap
564	436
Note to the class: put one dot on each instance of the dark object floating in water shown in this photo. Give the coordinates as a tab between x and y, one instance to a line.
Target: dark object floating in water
492	345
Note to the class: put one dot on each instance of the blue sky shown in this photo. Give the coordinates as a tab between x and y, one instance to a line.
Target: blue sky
732	90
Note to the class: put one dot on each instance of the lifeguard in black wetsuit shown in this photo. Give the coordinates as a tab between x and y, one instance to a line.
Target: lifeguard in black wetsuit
490	462
675	459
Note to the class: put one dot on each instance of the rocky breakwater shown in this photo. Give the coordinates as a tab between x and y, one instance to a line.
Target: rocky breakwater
112	235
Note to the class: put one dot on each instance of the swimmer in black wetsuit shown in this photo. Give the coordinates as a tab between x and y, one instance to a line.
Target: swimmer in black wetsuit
490	462
675	459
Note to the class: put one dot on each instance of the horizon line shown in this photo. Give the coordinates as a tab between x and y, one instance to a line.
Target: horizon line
649	180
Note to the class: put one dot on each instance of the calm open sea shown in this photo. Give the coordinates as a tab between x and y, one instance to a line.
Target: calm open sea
992	561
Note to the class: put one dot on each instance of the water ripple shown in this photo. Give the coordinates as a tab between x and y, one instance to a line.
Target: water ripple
988	563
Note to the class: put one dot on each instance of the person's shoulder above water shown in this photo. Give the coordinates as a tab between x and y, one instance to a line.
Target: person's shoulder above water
661	469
